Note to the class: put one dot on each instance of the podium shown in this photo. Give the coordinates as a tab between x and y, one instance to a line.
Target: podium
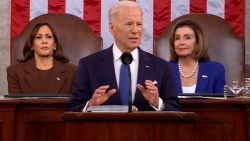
145	126
32	119
45	119
220	119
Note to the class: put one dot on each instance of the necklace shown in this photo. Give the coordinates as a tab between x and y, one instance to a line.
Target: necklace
187	75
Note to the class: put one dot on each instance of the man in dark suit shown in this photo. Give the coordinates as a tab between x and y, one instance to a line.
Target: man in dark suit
97	80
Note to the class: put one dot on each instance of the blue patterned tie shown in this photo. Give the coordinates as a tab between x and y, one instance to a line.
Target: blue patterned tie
124	84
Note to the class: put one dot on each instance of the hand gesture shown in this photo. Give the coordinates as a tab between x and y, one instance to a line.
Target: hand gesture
101	95
150	92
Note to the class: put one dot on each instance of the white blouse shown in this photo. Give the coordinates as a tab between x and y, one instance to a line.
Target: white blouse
190	89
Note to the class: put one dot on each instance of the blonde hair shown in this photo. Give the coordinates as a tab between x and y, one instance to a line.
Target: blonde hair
201	50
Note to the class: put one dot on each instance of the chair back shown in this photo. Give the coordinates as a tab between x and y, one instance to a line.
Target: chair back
75	36
224	45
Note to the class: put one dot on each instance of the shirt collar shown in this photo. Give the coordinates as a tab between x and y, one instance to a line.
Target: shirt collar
117	53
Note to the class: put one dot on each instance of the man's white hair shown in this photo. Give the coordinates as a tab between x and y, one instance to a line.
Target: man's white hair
114	9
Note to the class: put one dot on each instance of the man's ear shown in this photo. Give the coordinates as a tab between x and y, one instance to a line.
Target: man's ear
111	27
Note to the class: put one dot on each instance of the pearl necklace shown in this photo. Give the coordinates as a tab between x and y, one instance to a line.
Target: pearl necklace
187	75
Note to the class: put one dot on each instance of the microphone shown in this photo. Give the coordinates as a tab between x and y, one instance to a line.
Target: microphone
127	59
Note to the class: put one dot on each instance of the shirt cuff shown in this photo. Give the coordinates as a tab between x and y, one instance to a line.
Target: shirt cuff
160	106
85	107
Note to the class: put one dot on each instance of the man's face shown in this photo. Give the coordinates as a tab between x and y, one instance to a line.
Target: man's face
127	28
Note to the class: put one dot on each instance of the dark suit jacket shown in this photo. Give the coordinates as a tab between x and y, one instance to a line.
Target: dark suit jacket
211	77
98	69
23	78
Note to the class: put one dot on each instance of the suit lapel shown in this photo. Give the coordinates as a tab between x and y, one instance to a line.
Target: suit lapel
177	77
58	78
144	73
32	77
108	74
203	78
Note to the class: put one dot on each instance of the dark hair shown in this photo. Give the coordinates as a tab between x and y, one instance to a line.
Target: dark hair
201	51
28	52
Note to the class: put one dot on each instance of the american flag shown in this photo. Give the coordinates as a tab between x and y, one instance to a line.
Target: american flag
157	14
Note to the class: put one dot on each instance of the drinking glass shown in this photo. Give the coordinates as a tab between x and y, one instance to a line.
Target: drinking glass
247	86
234	90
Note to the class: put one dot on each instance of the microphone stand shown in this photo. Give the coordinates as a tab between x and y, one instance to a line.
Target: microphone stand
126	59
130	90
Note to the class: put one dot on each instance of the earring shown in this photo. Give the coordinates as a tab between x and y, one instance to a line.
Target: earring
55	48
